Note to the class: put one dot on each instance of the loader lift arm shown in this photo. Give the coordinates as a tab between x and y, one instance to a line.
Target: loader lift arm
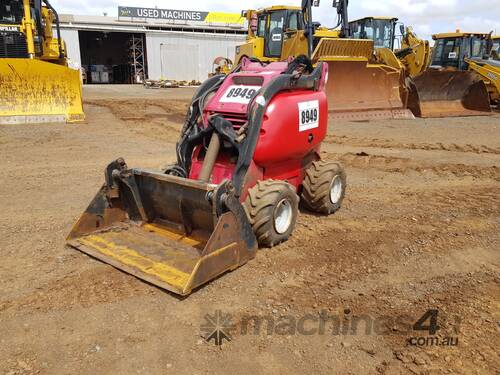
489	71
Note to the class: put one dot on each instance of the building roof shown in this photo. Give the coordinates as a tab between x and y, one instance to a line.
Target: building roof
376	18
279	7
145	24
458	34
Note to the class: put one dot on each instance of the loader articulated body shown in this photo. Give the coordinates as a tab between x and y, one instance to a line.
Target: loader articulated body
248	149
36	84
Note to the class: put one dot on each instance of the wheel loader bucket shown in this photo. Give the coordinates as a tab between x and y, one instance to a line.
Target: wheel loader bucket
172	232
34	91
451	93
357	89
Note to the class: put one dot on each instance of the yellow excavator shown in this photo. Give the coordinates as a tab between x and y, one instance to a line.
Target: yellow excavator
359	87
36	83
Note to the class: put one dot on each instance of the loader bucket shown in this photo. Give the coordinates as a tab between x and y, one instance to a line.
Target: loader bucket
166	230
34	91
356	89
451	93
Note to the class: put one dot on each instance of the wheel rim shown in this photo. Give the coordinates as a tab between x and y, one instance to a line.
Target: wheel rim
336	190
283	216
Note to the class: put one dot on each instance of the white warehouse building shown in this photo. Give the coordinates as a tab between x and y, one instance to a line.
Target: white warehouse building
153	43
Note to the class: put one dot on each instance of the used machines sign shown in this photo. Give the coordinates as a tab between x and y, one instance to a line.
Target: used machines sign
180	15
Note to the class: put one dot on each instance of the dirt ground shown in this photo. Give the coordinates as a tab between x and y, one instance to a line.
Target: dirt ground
419	231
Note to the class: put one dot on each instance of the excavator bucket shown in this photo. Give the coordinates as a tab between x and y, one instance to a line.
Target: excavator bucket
451	93
356	89
170	231
34	91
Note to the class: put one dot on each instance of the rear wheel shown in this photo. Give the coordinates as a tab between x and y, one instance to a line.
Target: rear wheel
272	208
324	187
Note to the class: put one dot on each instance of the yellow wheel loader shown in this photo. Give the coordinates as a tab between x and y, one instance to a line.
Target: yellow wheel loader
358	86
440	84
36	83
457	83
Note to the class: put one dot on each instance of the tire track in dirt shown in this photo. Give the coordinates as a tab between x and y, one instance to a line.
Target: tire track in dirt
404	165
389	144
141	110
150	117
426	223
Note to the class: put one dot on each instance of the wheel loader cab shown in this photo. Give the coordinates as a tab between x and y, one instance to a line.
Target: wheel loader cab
274	23
276	33
381	30
450	50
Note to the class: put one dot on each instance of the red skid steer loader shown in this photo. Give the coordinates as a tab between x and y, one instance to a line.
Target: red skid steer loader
248	150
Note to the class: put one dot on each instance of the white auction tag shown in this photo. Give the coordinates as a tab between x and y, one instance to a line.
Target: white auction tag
308	115
239	94
276	38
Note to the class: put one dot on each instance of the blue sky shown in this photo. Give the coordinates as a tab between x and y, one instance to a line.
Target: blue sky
426	16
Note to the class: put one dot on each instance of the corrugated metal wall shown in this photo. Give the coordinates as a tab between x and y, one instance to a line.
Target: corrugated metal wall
173	55
187	56
72	45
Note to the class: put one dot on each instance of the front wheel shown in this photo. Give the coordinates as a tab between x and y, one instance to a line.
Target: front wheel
324	187
272	208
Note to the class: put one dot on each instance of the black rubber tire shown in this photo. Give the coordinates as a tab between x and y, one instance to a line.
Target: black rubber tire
260	207
316	186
